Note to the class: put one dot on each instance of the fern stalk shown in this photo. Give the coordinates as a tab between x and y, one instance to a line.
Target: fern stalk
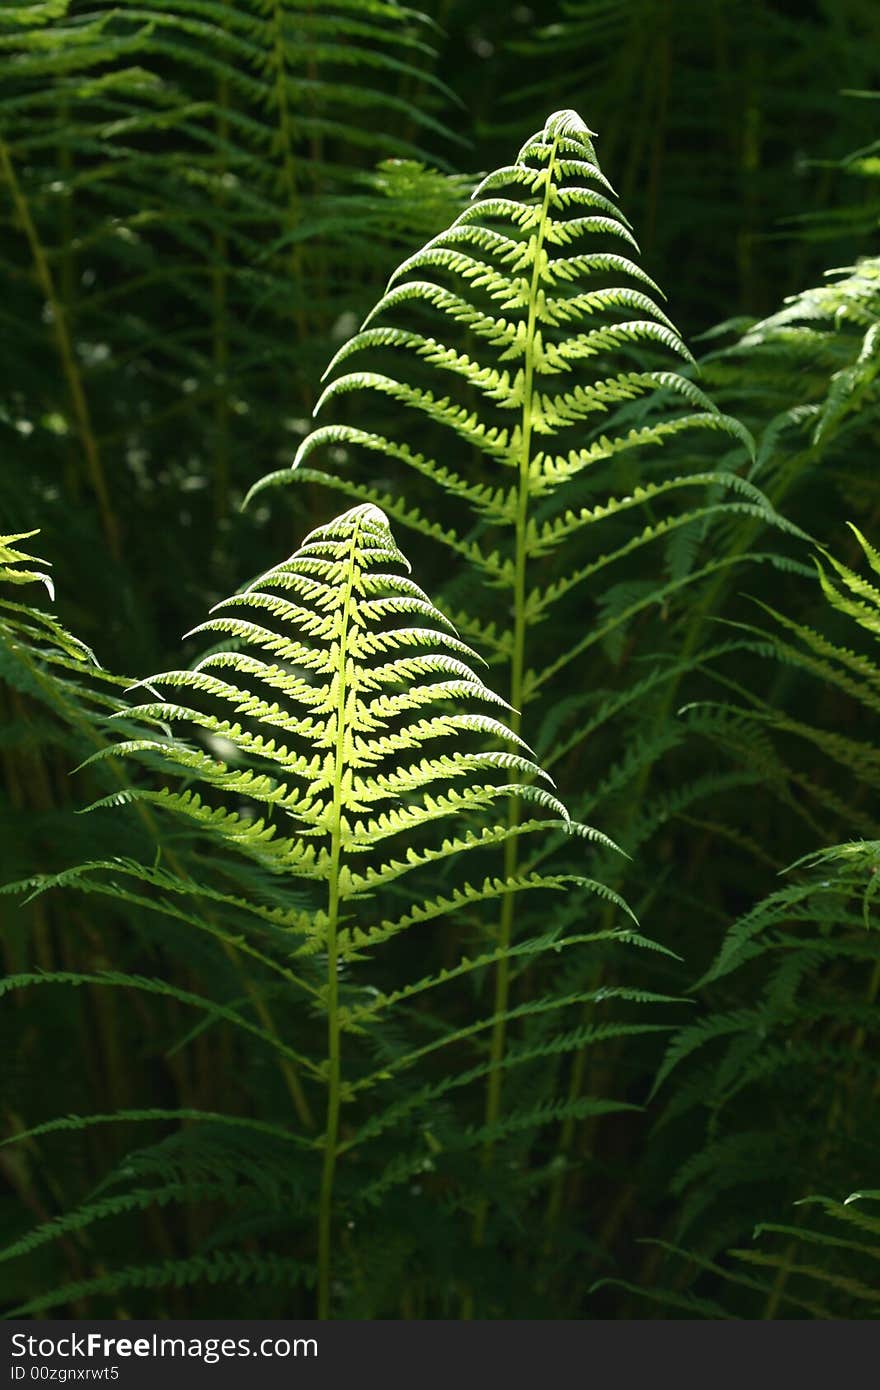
287	154
517	666
334	1050
219	305
61	330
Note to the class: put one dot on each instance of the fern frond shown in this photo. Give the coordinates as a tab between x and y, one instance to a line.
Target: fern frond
329	763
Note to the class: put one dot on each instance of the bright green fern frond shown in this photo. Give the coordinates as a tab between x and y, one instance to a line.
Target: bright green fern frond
342	743
503	273
520	375
325	726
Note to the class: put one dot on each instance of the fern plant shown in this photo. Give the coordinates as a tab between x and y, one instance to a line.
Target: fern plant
327	1011
803	380
345	723
521	376
785	1083
826	1269
536	299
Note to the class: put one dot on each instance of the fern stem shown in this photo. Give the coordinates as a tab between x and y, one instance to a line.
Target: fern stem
285	1066
658	136
61	329
334	1050
220	328
278	62
334	1073
517	684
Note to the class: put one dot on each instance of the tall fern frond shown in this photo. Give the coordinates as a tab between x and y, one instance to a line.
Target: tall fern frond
537	278
521	371
342	742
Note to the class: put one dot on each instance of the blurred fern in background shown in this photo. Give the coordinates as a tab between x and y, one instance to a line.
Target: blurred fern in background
192	209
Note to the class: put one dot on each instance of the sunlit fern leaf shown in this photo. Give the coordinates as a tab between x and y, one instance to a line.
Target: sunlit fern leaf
530	321
25	622
856	597
341	689
345	716
11	559
34	12
520	373
344	742
804	379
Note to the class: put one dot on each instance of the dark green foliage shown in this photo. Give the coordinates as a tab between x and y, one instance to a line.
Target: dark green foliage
782	1088
327	1005
192	208
721	128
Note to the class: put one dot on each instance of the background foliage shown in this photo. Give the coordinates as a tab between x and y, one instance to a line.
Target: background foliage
199	203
